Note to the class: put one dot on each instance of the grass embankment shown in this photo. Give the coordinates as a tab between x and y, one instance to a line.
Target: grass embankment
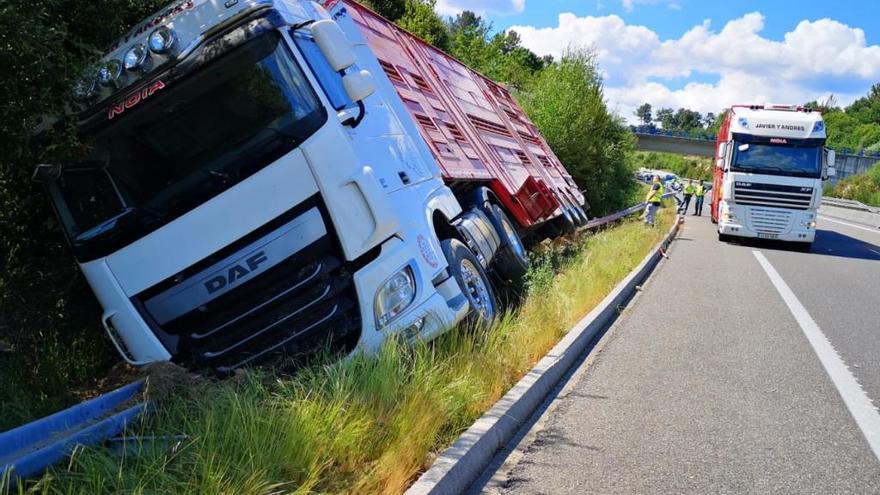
370	424
863	187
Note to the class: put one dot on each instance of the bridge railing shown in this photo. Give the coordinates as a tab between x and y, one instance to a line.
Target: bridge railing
696	136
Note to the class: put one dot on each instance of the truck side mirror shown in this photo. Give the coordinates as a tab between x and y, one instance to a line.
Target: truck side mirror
333	44
722	150
830	172
719	163
358	85
830	159
46	173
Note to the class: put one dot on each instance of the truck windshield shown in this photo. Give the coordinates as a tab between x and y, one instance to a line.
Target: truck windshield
186	144
774	159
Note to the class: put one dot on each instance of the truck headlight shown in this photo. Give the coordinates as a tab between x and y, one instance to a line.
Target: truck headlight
810	224
395	295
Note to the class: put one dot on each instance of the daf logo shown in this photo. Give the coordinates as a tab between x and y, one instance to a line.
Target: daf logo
744	184
236	272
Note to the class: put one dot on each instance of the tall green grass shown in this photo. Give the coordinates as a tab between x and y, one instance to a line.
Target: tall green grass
368	424
862	187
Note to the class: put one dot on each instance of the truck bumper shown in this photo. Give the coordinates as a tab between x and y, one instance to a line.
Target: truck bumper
767	223
433	310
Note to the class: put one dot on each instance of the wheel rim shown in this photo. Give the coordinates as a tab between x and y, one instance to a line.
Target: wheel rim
476	288
513	239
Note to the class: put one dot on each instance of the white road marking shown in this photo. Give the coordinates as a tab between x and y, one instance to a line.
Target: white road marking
858	403
874	251
823	217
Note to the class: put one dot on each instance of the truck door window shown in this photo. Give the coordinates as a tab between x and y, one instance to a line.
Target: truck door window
330	80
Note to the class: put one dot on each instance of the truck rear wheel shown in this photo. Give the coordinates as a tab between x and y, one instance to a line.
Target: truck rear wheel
511	261
473	281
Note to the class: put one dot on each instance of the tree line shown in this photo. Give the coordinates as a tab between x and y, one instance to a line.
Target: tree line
683	119
856	126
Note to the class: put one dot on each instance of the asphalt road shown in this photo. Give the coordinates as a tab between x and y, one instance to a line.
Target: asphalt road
711	383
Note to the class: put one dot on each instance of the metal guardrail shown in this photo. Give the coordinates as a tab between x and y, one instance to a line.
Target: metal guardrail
29	449
849	204
598	222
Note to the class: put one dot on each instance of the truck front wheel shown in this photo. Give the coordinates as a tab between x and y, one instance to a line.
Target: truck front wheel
472	280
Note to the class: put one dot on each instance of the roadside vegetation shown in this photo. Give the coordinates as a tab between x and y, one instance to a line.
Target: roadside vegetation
53	351
691	167
863	187
367	425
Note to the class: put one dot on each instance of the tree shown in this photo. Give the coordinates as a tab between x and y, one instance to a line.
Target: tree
644	114
687	120
867	109
420	19
389	9
566	102
709	120
666	118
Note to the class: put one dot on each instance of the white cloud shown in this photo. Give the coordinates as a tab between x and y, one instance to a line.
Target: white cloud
814	59
481	7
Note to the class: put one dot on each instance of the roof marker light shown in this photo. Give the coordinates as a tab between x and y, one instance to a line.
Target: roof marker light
161	40
135	57
109	73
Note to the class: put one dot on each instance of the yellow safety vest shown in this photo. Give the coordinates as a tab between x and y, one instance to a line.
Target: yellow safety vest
700	191
657	198
688	189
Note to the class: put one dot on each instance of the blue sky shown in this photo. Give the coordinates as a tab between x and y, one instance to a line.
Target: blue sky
705	55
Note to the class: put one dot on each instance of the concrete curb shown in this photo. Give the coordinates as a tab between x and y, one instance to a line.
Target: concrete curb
461	464
865	216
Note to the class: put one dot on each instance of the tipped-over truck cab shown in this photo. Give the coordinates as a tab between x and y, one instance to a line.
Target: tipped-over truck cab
770	164
253	186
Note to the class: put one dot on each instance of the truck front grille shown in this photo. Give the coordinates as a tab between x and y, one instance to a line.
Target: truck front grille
769	220
772	195
302	301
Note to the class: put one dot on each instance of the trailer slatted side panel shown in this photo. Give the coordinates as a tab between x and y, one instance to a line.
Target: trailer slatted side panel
474	128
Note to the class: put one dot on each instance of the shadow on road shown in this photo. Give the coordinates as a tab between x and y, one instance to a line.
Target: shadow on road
828	243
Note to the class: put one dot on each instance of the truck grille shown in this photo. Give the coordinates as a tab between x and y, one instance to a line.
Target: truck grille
772	195
293	294
769	220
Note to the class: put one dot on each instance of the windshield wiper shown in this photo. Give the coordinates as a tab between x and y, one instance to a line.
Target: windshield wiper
111	224
105	226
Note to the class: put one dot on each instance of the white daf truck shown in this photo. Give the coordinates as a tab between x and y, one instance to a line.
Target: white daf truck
254	187
770	164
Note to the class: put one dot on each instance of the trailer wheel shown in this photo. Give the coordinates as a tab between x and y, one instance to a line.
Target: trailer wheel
511	261
581	215
472	280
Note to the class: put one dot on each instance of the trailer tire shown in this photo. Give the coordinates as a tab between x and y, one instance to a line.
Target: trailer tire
511	261
473	282
581	215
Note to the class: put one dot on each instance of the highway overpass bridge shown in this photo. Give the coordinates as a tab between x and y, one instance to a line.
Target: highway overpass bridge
848	162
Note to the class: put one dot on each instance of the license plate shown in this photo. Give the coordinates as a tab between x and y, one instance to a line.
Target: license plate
768	236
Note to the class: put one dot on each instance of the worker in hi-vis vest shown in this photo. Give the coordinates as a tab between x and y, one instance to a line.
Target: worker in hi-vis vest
699	194
688	194
654	197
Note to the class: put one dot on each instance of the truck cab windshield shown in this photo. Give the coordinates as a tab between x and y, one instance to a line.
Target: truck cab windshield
777	159
188	143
